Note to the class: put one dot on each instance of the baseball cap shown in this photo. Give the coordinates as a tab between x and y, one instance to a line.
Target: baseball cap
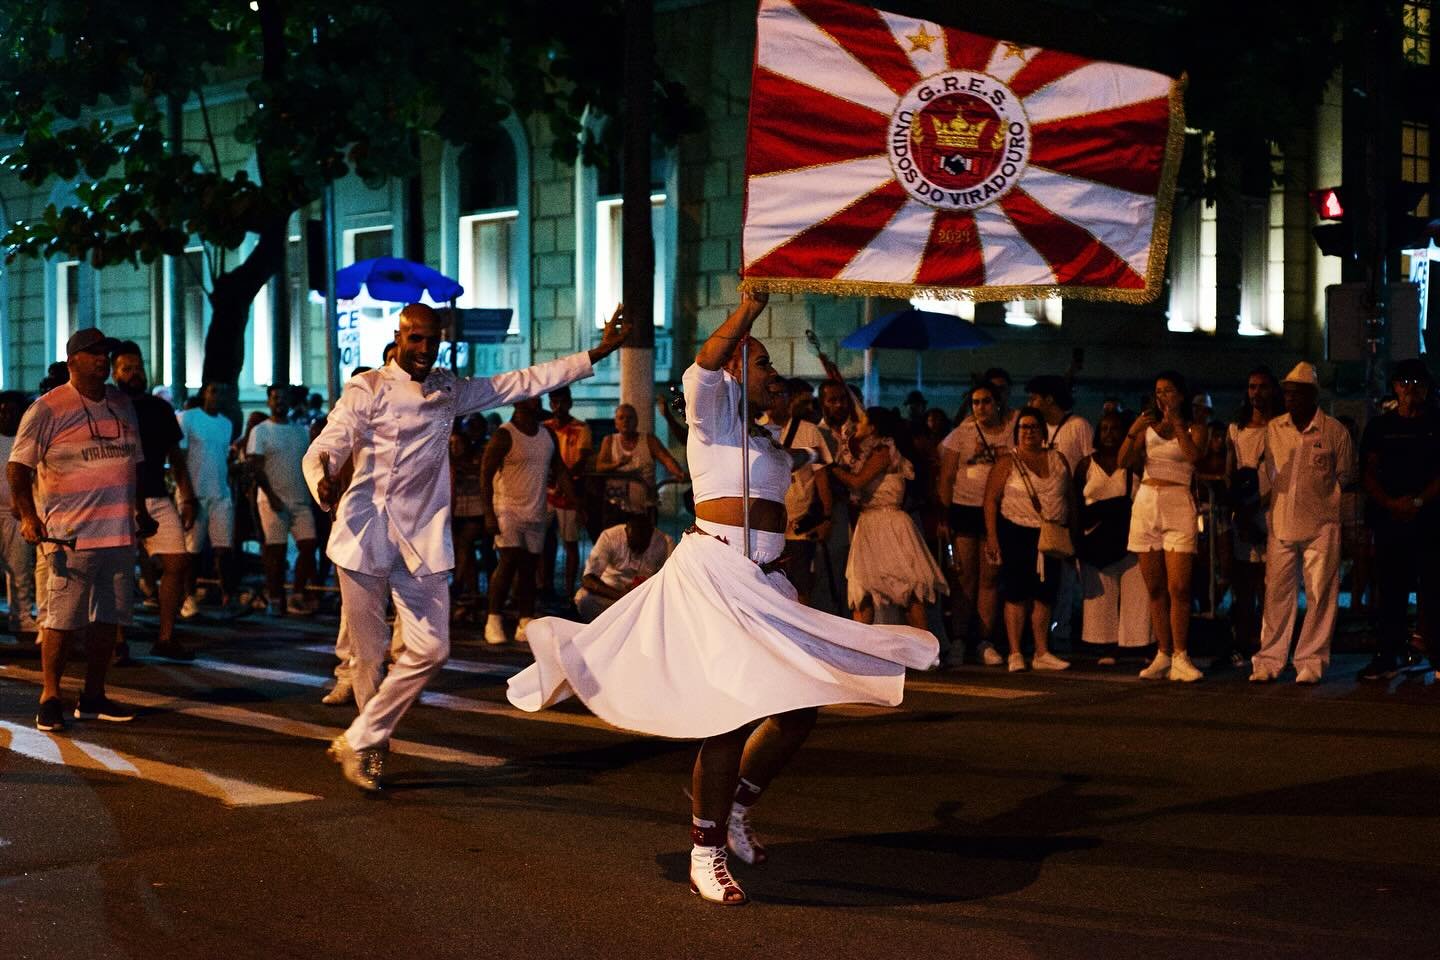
90	340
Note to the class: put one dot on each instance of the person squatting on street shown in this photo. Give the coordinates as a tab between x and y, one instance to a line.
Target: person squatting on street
392	525
79	445
1162	521
624	556
715	642
1308	459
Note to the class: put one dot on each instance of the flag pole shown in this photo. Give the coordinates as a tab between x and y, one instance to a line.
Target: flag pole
745	441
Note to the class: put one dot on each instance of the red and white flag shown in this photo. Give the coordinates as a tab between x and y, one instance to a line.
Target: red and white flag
890	155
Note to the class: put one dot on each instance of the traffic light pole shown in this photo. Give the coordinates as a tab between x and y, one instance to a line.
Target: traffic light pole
1380	40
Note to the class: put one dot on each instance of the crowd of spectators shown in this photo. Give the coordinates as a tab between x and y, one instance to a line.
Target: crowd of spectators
1025	536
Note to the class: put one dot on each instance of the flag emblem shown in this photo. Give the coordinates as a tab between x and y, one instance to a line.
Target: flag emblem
958	140
891	155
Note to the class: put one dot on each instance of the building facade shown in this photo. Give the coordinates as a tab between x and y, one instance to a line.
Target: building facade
1246	283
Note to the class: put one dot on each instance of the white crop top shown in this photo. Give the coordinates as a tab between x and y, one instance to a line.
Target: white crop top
712	451
1164	460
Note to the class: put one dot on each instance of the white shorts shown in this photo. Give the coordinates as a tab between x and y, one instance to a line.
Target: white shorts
215	520
169	536
567	524
295	520
1163	518
529	537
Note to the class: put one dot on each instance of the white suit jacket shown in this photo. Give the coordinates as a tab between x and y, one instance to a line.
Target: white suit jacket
398	433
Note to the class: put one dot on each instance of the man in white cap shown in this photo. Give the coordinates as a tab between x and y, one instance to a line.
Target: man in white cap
1308	459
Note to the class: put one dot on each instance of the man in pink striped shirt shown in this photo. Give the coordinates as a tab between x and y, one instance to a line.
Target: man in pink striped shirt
78	445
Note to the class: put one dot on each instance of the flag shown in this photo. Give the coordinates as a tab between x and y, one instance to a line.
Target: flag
893	156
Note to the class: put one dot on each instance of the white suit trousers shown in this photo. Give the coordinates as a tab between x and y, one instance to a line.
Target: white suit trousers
345	648
18	560
1117	605
1317	561
422	608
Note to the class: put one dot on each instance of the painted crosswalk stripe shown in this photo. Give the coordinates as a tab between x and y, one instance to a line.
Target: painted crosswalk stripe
476	667
430	698
78	754
263	721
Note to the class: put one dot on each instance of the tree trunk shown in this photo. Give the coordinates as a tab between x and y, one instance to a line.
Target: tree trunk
230	300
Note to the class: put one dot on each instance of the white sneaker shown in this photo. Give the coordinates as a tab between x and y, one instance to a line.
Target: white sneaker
740	837
340	693
1157	668
1307	675
1259	674
1016	663
190	607
495	631
1182	670
989	655
520	629
1048	661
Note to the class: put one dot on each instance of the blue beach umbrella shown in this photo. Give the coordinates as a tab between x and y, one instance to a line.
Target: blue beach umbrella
392	280
918	330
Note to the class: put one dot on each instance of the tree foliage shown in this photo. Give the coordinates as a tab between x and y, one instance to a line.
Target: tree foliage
329	89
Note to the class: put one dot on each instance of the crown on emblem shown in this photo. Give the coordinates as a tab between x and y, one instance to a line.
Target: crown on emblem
958	134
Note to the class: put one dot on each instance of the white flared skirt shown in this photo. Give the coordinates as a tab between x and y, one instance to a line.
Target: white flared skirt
711	643
890	563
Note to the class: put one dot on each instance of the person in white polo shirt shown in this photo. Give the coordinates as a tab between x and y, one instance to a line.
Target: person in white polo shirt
624	556
274	452
1308	459
206	435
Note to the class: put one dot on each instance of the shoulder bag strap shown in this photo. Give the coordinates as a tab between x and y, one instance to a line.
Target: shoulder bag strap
1025	477
980	432
790	433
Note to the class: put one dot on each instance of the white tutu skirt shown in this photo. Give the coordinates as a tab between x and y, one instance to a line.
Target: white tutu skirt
711	643
889	562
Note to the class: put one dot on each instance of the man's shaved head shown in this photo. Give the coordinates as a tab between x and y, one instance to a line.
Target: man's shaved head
417	341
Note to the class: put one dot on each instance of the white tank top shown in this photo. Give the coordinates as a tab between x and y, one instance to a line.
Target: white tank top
520	483
1016	505
1100	485
1164	460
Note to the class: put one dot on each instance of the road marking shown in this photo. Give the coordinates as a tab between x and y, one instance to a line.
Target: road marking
477	667
972	690
64	751
264	721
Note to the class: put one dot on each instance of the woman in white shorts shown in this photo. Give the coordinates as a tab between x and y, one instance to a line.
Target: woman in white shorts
1162	522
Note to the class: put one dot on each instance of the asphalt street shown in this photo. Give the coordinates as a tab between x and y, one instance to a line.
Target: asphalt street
1088	814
